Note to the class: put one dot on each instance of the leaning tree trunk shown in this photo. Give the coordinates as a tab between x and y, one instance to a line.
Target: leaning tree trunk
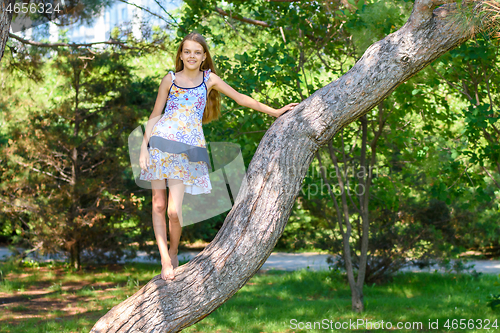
274	177
5	19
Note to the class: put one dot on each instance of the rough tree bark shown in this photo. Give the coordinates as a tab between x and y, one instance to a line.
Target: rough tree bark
275	175
5	20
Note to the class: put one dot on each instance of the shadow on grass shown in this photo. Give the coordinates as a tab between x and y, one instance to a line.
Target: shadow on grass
269	302
56	322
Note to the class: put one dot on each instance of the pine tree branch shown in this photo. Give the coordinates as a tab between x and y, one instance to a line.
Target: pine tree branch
41	171
40	44
242	19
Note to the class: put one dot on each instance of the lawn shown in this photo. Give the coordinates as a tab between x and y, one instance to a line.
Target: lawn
54	298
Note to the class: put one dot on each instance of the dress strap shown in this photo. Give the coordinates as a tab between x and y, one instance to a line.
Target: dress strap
173	75
207	75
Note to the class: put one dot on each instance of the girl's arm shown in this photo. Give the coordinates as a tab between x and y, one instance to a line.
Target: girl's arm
244	100
161	99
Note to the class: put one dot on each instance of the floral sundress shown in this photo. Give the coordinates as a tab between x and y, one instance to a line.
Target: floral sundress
177	147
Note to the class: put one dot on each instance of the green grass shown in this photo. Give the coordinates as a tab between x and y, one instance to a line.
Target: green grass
69	301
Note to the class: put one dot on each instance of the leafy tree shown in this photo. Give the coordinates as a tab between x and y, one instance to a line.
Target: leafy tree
66	177
278	168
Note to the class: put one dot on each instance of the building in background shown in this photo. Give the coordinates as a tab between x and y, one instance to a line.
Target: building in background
118	14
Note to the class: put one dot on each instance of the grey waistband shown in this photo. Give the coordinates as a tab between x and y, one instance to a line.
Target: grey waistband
195	154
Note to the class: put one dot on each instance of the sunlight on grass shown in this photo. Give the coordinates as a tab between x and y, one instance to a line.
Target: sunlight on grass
69	301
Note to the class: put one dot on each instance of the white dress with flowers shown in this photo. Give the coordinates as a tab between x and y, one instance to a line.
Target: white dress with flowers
177	147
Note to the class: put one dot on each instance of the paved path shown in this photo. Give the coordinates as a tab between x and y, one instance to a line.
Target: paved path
293	261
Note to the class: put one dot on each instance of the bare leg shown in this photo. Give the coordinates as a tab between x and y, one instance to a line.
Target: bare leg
176	189
160	226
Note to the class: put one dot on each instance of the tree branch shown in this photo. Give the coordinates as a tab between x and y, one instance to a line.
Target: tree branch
30	208
236	31
489	174
451	84
274	177
41	171
40	44
242	19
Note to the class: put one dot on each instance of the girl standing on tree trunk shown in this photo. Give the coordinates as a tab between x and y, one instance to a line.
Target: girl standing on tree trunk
173	152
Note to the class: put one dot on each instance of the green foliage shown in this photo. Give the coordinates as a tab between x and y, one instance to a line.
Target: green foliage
300	231
436	159
494	302
68	164
371	21
459	267
494	299
420	153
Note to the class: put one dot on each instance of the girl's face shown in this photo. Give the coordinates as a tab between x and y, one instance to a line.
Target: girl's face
192	54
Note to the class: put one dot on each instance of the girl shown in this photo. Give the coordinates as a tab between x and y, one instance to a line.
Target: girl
173	152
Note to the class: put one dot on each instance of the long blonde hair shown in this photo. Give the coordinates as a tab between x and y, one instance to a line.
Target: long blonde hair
212	108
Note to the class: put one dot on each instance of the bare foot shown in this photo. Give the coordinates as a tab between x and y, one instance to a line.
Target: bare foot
167	271
173	258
